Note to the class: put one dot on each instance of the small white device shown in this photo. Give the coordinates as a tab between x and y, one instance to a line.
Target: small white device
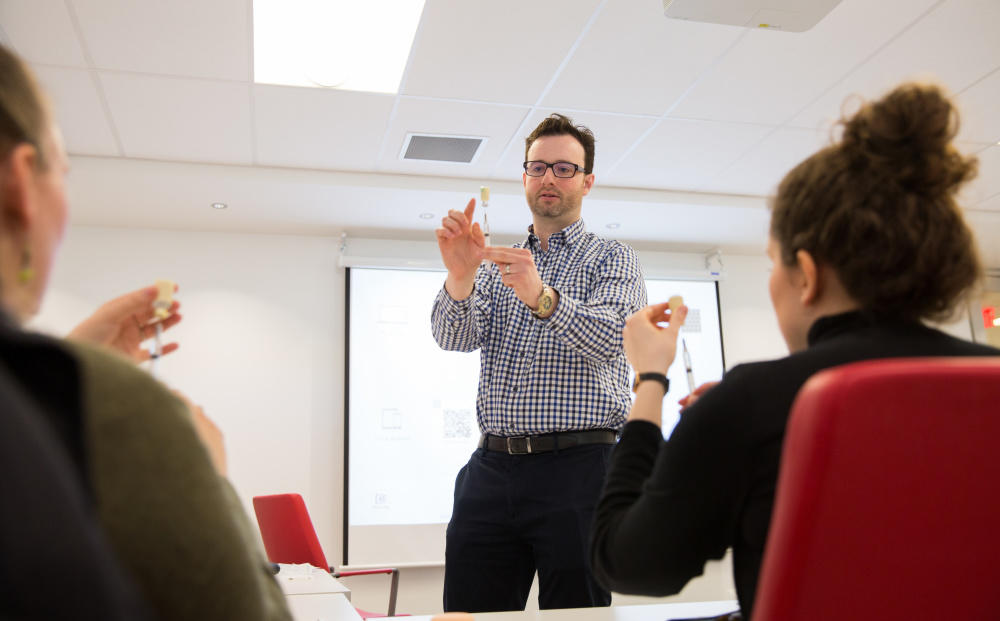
484	198
687	367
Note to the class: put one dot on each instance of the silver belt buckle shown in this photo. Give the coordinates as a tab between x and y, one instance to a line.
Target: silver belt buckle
527	445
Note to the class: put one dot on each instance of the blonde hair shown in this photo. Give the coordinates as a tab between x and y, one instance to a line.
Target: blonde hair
24	110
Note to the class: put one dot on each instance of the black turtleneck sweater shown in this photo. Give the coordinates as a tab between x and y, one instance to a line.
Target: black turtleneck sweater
668	507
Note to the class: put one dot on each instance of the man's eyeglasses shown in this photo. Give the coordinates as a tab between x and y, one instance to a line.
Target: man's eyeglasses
564	170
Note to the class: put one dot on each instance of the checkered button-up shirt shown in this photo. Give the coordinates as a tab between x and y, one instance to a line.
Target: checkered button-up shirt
567	372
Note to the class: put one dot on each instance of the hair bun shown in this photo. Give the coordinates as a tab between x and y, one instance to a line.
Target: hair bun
905	138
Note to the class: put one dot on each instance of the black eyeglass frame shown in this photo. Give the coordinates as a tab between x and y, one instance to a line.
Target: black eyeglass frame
576	168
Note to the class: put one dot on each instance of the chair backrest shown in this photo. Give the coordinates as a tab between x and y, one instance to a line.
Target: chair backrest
888	498
287	531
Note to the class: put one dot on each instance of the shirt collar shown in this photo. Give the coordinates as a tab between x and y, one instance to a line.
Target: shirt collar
566	237
834	325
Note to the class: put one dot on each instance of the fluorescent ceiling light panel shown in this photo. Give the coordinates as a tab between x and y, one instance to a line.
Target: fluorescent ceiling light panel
361	45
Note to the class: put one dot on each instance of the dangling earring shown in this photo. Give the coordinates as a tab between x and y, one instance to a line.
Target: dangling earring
26	273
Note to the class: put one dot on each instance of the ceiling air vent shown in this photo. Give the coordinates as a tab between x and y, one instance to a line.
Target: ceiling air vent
436	148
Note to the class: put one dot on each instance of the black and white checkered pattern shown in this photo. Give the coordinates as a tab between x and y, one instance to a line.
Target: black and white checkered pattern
567	372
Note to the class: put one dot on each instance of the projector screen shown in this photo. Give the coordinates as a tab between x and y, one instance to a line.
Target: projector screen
410	409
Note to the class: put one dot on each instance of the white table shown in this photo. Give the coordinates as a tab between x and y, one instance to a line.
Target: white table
316	595
648	612
322	607
308	580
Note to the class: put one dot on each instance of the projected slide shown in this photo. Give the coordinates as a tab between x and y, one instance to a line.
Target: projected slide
411	412
412	405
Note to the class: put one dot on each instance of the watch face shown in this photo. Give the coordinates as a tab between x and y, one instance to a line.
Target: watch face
546	303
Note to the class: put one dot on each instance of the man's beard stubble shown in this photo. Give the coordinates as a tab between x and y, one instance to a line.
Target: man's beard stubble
553	209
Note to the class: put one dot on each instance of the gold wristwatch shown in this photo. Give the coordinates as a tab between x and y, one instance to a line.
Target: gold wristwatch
546	302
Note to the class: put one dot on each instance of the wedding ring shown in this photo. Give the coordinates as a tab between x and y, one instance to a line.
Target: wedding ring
506	270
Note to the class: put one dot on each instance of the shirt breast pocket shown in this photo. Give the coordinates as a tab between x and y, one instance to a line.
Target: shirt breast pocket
580	286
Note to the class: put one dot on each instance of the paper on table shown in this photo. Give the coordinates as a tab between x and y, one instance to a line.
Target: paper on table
299	571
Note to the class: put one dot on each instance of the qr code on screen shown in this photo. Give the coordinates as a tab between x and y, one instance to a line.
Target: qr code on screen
692	323
458	423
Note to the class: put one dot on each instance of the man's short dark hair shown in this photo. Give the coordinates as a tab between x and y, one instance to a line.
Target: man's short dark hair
559	125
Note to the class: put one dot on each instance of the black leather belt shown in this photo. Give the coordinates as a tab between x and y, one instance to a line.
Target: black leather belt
547	442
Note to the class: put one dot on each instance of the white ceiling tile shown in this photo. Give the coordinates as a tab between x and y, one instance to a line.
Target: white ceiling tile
181	37
955	44
317	128
769	75
178	195
684	154
987	182
603	60
979	106
675	224
280	200
614	136
41	31
79	110
178	119
762	168
636	60
495	123
493	51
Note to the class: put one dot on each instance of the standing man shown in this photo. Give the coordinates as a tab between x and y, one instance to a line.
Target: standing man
547	316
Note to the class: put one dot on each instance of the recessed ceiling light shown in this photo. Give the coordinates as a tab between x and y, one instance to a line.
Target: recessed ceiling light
219	205
348	45
426	215
613	225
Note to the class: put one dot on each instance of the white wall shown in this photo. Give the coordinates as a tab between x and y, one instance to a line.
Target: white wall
749	327
262	349
261	345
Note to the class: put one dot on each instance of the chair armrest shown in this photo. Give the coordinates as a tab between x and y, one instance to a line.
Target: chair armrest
393	584
363	572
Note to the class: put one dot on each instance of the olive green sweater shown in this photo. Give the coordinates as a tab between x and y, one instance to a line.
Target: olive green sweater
173	521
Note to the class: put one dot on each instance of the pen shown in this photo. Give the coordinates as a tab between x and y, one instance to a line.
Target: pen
484	198
687	366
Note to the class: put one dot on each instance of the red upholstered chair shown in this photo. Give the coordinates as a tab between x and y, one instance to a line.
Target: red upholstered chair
289	537
888	500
